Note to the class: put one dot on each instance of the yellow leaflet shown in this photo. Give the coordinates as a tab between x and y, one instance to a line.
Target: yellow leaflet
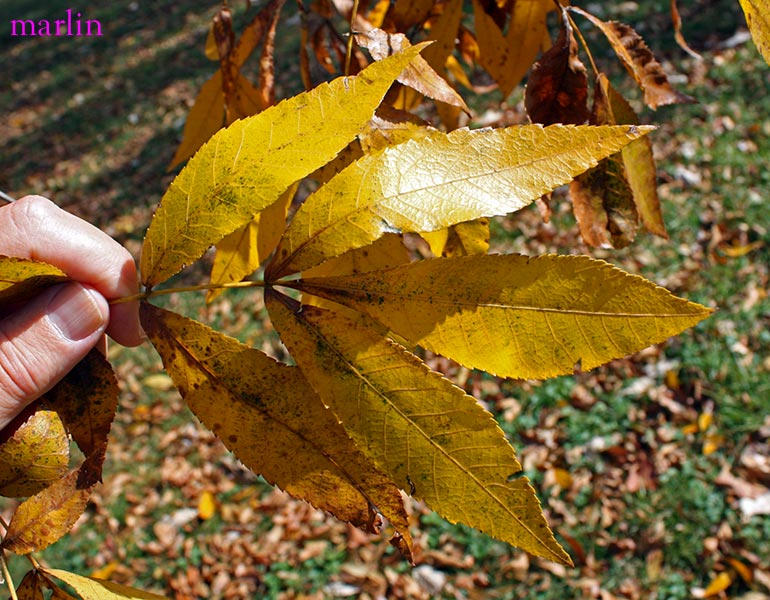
462	239
516	316
270	418
245	168
204	119
758	18
441	180
35	454
427	434
90	588
388	251
22	278
241	253
436	240
508	58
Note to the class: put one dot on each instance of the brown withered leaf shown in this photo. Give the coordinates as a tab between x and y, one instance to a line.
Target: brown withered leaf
31	587
45	517
602	199
86	400
676	19
639	62
320	44
407	13
254	32
418	75
557	89
304	57
267	59
34	452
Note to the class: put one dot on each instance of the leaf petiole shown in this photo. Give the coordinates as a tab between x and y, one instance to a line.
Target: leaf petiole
7	576
190	288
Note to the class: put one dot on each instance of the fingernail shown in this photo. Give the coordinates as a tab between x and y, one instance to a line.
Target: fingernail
75	312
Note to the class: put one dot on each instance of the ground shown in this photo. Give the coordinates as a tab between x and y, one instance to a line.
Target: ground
648	468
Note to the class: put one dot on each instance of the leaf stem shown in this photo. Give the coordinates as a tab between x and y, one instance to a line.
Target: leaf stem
583	42
349	53
189	288
7	575
6	197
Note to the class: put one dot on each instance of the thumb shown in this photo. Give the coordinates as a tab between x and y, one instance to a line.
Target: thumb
42	341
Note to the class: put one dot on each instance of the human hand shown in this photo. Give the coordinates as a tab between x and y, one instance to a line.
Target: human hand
44	339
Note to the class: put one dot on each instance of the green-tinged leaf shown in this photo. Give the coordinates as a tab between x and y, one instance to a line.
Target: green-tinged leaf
34	452
90	588
245	168
241	253
758	18
205	118
269	416
513	315
427	434
45	517
22	278
86	400
430	183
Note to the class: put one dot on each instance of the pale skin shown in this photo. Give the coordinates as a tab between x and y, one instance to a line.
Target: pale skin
41	341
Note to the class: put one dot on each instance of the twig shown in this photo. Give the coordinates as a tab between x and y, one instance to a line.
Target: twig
7	575
353	15
190	288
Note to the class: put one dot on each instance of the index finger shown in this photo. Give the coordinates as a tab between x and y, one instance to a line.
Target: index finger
35	228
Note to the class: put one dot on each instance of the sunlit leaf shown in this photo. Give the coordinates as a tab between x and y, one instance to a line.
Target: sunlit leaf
758	19
428	184
90	588
45	517
233	177
513	315
34	452
23	278
639	62
719	584
270	418
434	440
418	75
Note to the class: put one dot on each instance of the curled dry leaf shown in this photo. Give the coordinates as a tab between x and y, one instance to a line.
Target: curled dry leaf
557	89
434	440
418	75
676	19
608	199
440	180
232	178
269	417
34	452
639	62
758	19
31	587
547	313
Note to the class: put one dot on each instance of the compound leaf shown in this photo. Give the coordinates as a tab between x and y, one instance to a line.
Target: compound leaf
440	180
270	418
513	315
426	433
245	168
